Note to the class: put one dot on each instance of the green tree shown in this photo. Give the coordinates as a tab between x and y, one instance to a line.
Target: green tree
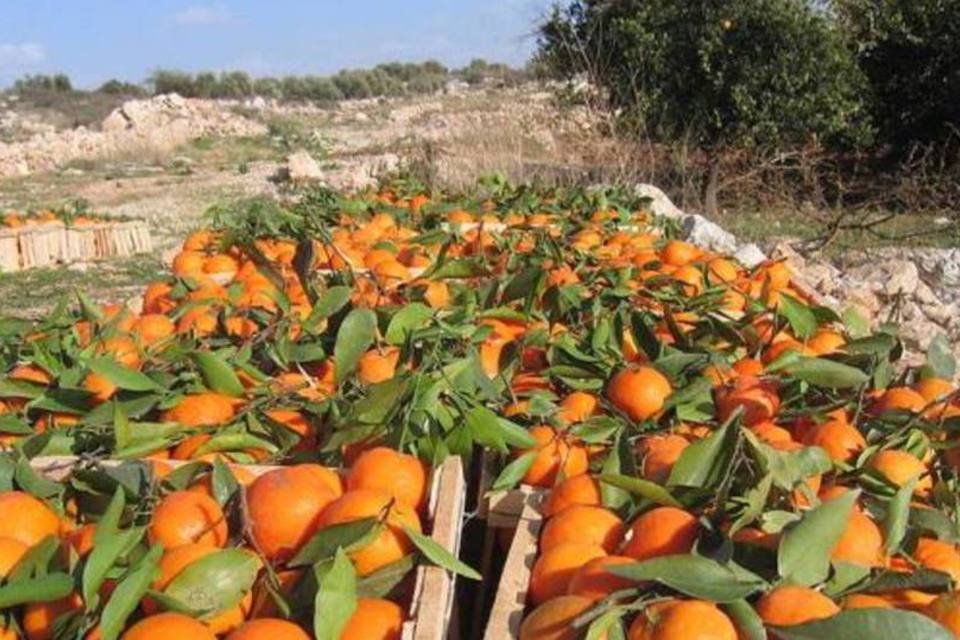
721	73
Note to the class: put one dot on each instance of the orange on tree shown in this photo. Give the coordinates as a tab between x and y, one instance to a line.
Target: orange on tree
861	542
640	392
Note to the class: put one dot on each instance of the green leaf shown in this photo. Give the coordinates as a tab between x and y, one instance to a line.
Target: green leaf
381	582
898	517
413	316
129	592
108	546
511	474
336	599
333	300
803	556
940	358
222	482
801	318
695	576
600	627
522	284
48	588
121	376
827	373
357	332
324	544
705	462
747	620
857	325
217	374
640	487
440	556
868	624
215	582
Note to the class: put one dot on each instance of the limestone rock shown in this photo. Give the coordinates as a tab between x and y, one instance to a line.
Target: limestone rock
302	168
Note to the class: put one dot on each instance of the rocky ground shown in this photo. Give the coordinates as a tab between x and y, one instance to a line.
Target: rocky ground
167	159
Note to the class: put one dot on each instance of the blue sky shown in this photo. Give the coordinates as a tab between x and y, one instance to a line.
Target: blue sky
93	41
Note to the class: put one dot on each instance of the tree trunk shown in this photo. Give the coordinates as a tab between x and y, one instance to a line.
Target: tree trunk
711	186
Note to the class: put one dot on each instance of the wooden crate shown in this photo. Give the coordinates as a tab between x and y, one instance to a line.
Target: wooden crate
55	243
432	614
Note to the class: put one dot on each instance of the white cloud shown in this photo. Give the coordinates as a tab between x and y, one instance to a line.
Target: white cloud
203	15
15	56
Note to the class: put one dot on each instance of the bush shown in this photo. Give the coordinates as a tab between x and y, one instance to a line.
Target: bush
116	87
721	73
39	83
909	51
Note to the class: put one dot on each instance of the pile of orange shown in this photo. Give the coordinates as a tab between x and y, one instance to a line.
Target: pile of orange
720	454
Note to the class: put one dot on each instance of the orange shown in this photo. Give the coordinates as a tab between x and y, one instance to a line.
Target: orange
34	520
825	342
188	264
946	611
378	365
11	551
577	407
437	295
658	454
935	554
931	389
639	392
581	489
556	456
402	476
899	399
124	351
391	544
184	517
156	298
682	620
788	605
101	388
151	328
199	321
553	570
678	253
174	626
865	601
374	619
593	581
758	399
39	618
280	531
553	619
841	440
861	542
81	538
268	629
206	409
584	524
898	467
662	531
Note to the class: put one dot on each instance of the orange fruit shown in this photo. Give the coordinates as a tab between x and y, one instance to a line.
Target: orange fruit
124	351
584	524
865	601
378	365
556	455
174	626
553	619
931	389
374	619
577	407
280	532
206	409
946	611
581	489
658	454
682	620
268	629
825	342
34	520
391	544
402	476
861	542
758	398
151	328
938	555
156	298
789	605
841	440
639	392
662	531
593	581
678	253
898	467
188	264
899	399
39	618
184	517
101	388
554	569
11	551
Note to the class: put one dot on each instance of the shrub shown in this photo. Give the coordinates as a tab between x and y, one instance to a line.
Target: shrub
38	83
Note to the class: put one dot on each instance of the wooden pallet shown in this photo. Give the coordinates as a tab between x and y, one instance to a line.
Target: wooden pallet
55	243
432	615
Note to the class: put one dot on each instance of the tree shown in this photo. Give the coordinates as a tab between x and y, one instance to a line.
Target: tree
909	51
59	83
722	73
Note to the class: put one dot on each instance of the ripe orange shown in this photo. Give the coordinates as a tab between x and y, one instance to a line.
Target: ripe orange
758	398
101	388
581	489
639	392
33	519
658	454
899	399
156	298
939	555
583	524
662	531
678	253
123	350
402	476
374	619
557	455
11	551
841	440
184	517
593	581
206	409
279	532
865	601
791	605
39	618
861	542
825	342
553	619
946	611
391	544
931	389
682	620
268	629
437	295
898	467
174	626
577	407
554	569
151	328
378	365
